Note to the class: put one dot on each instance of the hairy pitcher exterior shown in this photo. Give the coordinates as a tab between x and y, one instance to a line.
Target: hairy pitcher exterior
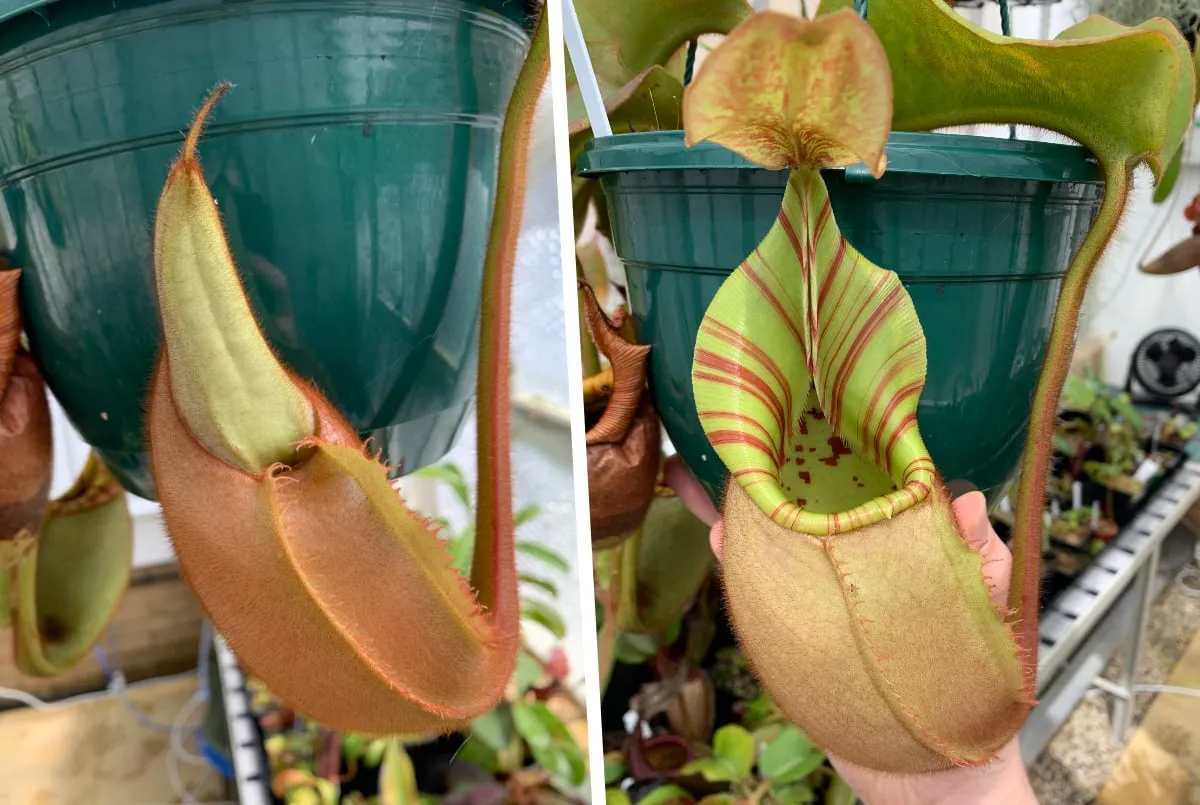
327	587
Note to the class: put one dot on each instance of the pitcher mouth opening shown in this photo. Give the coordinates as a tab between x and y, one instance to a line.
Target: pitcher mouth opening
820	486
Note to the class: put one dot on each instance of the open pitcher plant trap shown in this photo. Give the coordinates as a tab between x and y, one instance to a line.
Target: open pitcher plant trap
291	534
850	585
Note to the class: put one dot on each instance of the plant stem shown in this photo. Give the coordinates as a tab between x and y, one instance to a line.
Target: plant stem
1035	464
493	567
759	792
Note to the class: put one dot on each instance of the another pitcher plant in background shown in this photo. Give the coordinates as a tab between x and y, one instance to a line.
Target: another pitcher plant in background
850	584
64	566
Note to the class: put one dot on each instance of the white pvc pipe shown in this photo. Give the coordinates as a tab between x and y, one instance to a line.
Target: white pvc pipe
585	75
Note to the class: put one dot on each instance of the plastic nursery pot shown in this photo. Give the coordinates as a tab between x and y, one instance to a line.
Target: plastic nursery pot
980	231
354	165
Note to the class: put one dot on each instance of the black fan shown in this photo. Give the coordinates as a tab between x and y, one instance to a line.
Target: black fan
1166	364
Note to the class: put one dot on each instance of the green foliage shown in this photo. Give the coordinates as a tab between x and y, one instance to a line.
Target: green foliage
666	795
732	758
760	711
789	758
544	615
614	768
635	648
1089	395
551	744
453	477
529	670
544	554
1076	518
397	778
462	544
1079	394
1063	445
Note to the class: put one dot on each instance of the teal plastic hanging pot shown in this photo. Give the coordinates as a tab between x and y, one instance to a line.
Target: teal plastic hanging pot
354	165
980	231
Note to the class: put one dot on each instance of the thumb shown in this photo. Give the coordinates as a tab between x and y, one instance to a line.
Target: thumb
689	490
971	511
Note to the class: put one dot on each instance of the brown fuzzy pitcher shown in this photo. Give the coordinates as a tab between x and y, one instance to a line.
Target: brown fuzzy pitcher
24	431
624	445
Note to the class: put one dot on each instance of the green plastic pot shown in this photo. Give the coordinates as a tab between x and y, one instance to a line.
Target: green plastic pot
980	231
354	164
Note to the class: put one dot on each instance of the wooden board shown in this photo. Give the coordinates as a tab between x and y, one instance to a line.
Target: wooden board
98	753
1161	763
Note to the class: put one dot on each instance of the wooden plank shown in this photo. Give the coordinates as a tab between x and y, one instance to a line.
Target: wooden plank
1161	763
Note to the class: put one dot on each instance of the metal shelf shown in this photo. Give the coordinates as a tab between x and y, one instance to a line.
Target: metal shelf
249	765
1105	606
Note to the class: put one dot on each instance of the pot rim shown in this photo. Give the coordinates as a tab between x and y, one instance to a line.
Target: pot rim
9	9
907	152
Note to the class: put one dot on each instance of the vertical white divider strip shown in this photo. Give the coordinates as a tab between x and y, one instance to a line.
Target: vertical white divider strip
557	11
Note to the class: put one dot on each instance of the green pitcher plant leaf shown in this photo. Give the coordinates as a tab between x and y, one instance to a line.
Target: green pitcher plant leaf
397	778
68	587
25	437
651	101
853	593
550	742
628	37
632	45
663	566
1123	93
1163	191
1126	94
789	757
732	758
290	533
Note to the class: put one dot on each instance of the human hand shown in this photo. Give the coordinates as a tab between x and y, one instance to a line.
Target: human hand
1004	780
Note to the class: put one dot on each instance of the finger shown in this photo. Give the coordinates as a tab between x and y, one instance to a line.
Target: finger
971	511
689	490
715	535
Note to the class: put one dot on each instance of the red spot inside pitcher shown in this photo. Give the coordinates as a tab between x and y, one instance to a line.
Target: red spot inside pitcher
839	449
